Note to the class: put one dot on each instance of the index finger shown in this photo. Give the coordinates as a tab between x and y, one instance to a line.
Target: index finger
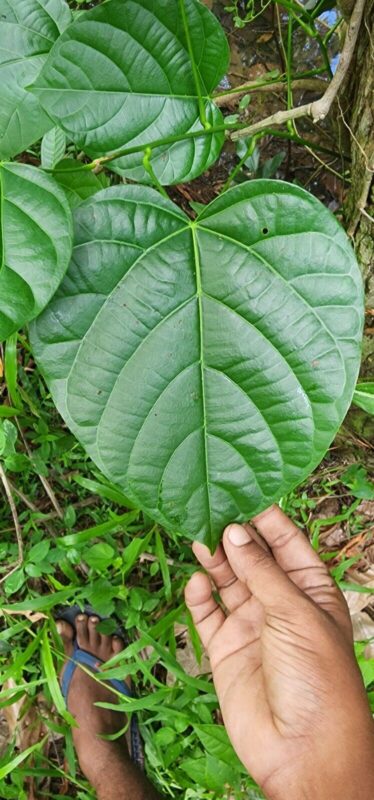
295	555
290	546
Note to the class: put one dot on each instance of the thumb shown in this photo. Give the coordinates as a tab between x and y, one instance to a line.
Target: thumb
257	568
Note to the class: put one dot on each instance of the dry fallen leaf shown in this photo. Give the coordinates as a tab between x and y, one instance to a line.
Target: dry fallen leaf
265	37
366	508
32	616
4	734
333	537
26	726
363	627
186	656
357	601
13	712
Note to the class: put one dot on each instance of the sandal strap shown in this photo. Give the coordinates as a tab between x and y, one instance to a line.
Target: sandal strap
88	660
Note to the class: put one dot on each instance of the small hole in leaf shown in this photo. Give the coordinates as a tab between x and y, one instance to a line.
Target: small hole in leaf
265	231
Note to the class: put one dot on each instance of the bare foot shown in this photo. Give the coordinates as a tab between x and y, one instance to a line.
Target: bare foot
94	754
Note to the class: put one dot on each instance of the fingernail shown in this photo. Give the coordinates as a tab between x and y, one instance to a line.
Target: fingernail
59	627
80	617
238	535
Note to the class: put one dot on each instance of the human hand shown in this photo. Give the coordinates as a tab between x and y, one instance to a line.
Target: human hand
283	665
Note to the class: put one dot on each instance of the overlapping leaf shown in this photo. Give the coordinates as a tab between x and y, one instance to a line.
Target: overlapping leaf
205	365
53	148
78	184
364	396
28	30
36	243
122	75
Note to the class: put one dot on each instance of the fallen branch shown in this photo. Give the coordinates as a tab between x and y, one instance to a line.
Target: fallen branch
301	84
319	108
17	526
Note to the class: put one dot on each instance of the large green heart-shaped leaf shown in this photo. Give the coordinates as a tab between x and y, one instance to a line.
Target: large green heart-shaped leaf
28	30
37	240
121	75
205	365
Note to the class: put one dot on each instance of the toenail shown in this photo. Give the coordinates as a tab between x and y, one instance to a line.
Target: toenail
80	617
94	620
59	627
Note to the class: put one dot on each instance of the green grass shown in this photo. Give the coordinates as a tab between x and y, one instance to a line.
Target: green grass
82	543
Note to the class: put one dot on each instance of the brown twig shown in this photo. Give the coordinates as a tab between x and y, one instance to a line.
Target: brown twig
31	506
319	108
302	84
23	497
47	486
17	526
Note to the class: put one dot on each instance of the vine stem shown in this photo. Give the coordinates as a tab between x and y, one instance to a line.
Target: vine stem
289	69
332	30
305	84
141	148
148	168
249	151
319	108
305	143
195	70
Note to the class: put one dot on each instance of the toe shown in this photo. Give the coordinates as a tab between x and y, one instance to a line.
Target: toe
95	638
117	644
67	635
81	624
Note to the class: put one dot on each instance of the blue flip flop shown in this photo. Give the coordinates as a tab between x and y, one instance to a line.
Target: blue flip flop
80	656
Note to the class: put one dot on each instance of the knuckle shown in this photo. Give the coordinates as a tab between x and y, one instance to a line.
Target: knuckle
284	538
263	514
320	581
227	583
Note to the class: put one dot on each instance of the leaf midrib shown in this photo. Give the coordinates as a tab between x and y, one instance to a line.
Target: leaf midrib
199	292
122	92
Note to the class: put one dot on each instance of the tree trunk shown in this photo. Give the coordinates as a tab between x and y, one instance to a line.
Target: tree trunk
359	206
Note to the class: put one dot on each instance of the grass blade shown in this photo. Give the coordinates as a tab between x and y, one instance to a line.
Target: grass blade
53	682
75	539
160	553
15	762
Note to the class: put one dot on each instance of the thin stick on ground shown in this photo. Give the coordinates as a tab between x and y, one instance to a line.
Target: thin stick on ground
17	525
47	486
319	108
26	500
